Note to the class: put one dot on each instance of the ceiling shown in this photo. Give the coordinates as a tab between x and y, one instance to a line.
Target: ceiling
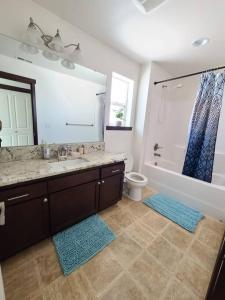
164	35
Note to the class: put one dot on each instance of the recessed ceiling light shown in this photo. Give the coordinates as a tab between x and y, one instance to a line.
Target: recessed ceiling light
145	6
200	42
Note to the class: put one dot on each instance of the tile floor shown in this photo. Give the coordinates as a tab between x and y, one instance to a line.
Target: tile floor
152	258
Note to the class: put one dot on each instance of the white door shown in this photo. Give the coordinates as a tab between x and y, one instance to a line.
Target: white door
16	117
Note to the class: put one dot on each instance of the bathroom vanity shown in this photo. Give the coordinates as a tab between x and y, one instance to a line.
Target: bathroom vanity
38	208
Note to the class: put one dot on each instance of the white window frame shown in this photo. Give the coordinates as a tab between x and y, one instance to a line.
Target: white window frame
127	107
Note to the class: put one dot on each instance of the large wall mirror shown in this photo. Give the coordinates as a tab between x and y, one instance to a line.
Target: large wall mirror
42	102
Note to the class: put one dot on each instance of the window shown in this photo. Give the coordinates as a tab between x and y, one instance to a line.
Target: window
121	100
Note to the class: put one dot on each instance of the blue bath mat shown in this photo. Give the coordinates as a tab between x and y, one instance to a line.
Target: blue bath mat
179	213
79	243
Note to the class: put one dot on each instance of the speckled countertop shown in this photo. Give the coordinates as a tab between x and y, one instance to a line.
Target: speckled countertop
25	170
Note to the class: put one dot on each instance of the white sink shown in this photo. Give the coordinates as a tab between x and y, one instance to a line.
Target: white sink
67	163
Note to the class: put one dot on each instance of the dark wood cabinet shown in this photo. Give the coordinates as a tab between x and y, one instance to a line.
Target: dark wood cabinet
110	191
216	290
68	181
26	224
44	207
72	205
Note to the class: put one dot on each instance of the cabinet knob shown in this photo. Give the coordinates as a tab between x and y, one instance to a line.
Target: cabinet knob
45	200
103	181
99	182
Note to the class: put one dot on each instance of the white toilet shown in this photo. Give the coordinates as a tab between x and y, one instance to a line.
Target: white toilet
134	182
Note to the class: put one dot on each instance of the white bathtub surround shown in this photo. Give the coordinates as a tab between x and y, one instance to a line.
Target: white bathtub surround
2	293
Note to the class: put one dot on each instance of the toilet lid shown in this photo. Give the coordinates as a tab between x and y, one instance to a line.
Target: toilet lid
136	177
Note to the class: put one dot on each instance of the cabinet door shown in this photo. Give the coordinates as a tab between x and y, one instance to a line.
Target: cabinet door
216	289
72	205
110	191
25	224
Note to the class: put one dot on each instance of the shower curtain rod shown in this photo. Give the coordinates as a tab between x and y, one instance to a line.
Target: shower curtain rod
188	75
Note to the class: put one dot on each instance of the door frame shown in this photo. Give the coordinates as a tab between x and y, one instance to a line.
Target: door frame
30	91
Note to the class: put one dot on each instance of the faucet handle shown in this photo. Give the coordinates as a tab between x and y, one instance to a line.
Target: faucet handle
62	151
69	150
157	147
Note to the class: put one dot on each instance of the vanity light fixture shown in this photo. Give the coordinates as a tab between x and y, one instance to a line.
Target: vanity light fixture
50	55
34	37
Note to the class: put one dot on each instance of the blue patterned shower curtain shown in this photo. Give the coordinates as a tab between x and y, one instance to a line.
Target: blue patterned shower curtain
204	125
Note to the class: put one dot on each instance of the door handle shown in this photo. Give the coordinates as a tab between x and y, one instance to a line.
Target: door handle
18	197
115	171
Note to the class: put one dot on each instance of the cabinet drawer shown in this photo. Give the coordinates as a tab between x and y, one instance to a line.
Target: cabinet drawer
68	181
23	193
112	170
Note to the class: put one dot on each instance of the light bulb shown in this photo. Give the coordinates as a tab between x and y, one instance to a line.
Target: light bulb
56	44
66	63
50	56
30	49
31	35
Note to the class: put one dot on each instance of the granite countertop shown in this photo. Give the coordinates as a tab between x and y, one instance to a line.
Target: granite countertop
25	170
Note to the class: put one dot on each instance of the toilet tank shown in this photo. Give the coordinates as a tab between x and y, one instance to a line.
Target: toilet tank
129	163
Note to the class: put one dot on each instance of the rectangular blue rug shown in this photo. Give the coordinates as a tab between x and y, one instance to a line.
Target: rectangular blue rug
177	212
79	243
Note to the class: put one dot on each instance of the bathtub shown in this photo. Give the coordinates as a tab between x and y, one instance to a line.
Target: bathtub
167	178
217	178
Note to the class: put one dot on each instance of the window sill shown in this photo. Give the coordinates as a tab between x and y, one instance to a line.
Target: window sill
122	128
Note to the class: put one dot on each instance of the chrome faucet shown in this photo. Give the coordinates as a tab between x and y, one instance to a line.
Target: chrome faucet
157	147
62	151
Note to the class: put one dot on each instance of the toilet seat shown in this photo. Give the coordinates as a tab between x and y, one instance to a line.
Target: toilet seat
136	177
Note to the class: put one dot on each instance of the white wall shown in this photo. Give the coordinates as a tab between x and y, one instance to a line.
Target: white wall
140	118
152	131
14	16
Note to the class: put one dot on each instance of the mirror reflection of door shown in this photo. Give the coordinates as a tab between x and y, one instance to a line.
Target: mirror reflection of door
17	110
16	117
